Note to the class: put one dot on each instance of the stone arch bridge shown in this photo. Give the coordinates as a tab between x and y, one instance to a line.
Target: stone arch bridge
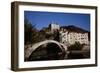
31	48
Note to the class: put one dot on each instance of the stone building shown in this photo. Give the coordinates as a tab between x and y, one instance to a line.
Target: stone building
53	27
72	34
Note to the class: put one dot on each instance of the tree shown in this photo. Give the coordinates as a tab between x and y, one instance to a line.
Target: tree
74	54
30	32
32	35
76	46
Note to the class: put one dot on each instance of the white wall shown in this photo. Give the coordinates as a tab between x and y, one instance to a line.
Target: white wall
5	34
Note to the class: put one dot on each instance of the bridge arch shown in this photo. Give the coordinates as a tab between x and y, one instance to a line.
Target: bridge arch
34	47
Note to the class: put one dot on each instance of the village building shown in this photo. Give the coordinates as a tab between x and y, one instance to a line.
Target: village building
72	34
54	27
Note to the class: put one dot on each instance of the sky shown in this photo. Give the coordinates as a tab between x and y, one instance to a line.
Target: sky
43	19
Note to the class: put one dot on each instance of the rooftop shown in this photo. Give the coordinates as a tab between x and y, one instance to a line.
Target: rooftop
73	28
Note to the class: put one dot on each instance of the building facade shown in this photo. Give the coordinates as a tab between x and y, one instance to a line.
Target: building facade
70	34
72	37
54	27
